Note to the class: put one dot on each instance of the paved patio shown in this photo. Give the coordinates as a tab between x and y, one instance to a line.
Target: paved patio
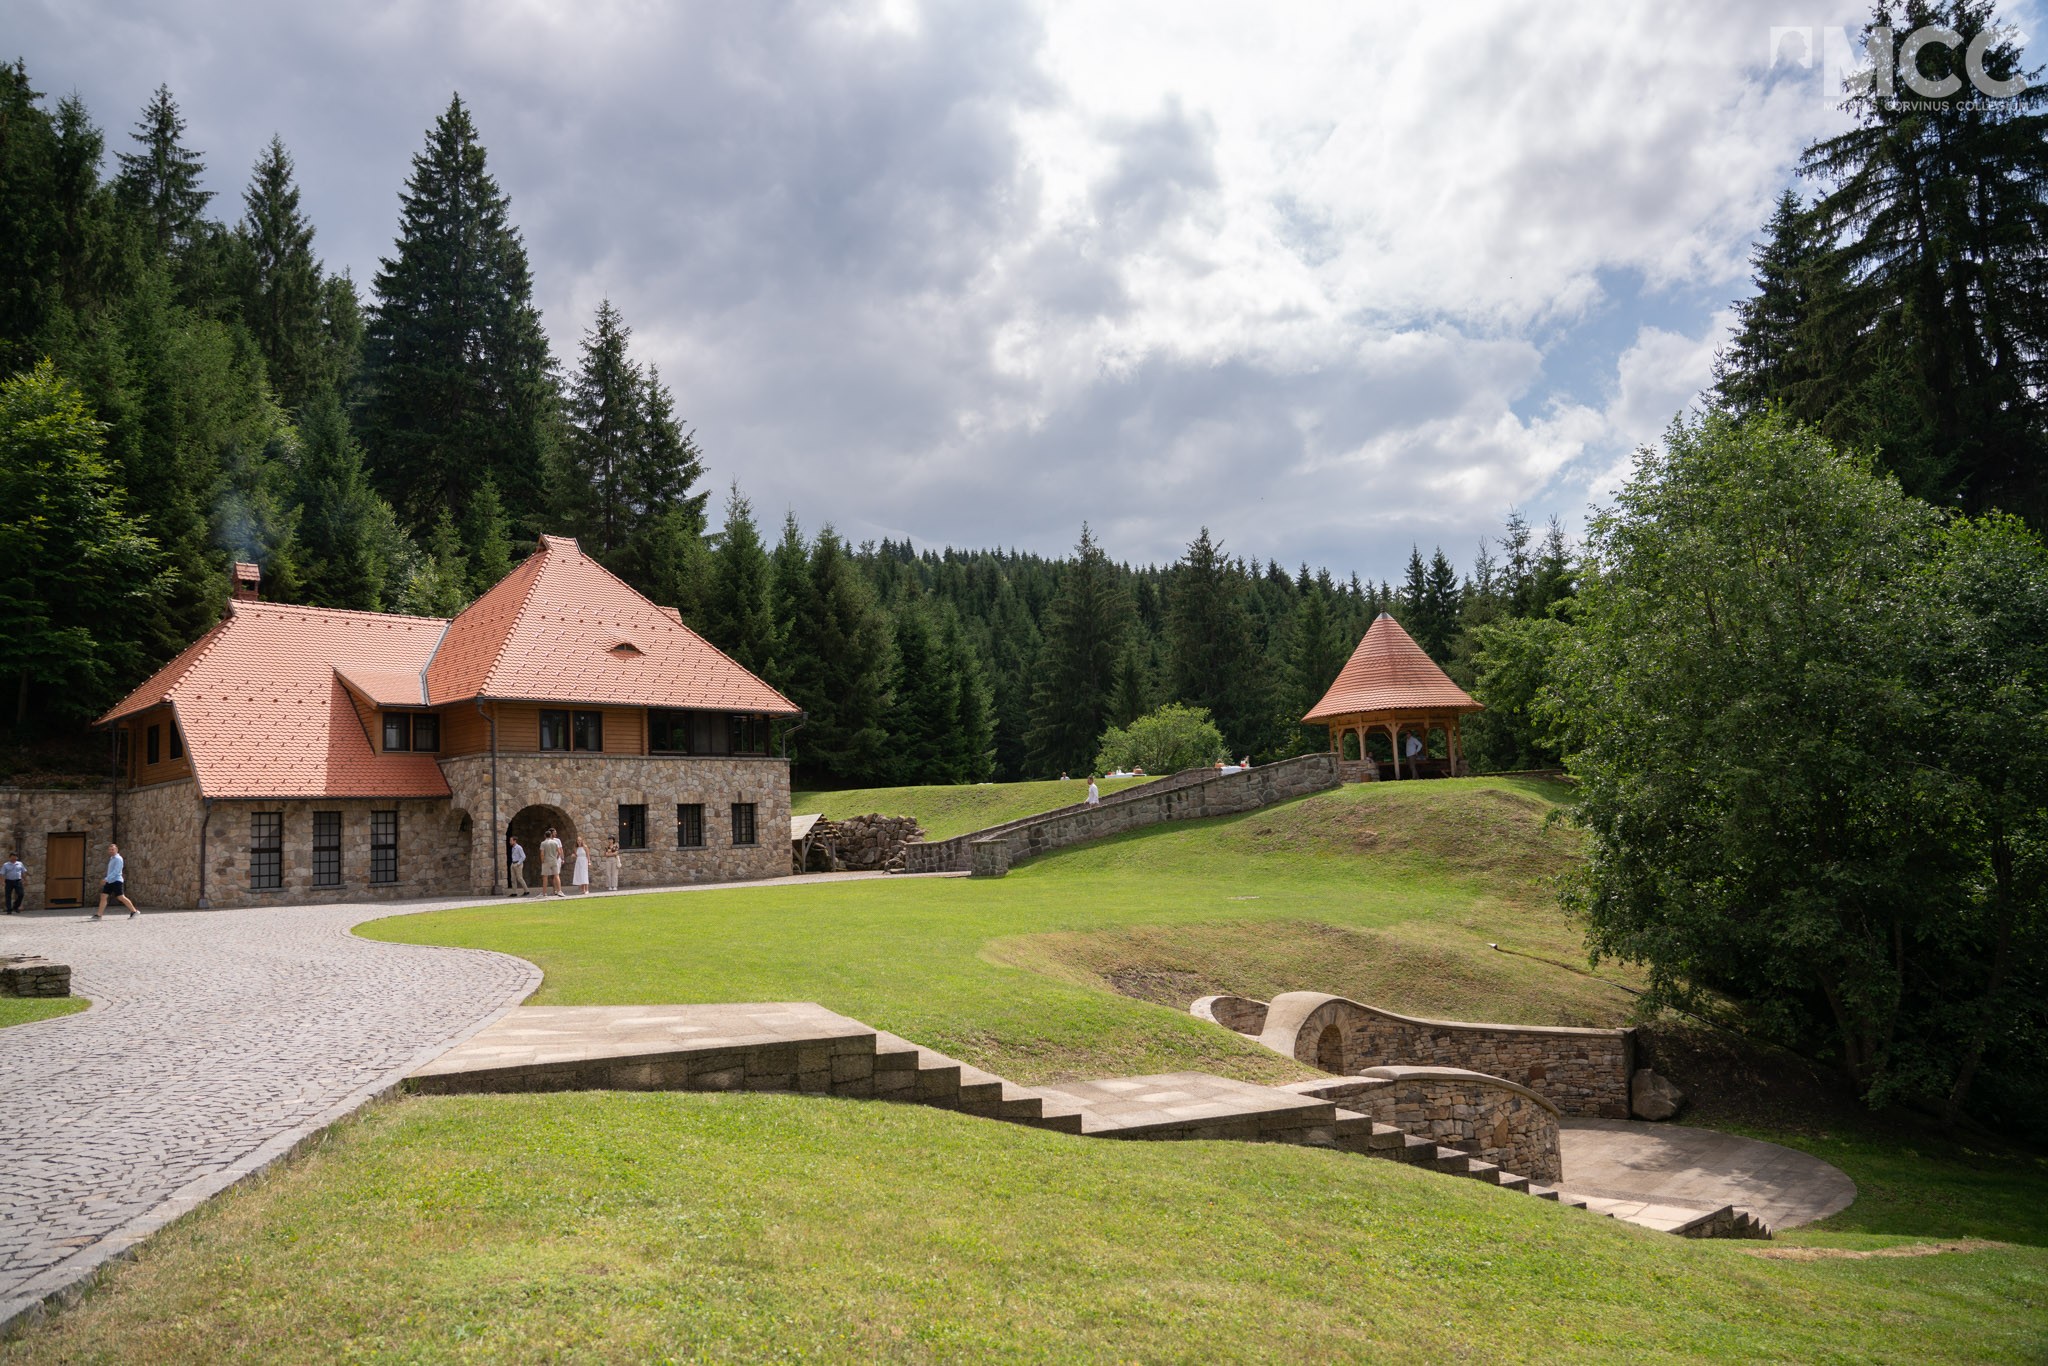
1648	1172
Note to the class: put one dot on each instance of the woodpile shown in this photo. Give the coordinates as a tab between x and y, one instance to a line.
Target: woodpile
863	843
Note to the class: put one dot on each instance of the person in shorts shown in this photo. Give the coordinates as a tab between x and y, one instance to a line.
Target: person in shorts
551	863
116	884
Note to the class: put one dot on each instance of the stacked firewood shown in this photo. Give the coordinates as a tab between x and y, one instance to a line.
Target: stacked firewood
873	841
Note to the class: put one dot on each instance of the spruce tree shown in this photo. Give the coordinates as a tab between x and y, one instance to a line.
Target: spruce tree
606	428
1216	664
283	297
739	618
788	583
439	586
1318	655
665	550
1767	360
343	560
159	183
925	711
971	736
487	537
1085	627
1013	650
457	375
842	671
1444	602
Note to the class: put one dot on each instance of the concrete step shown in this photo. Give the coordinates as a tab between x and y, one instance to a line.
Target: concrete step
1543	1192
1508	1181
1450	1160
1481	1170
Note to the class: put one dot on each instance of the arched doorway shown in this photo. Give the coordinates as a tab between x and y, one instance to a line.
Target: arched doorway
1330	1049
531	826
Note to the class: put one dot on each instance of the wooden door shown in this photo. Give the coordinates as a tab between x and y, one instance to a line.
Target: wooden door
64	871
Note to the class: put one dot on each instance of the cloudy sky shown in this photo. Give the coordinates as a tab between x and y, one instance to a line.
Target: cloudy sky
1322	278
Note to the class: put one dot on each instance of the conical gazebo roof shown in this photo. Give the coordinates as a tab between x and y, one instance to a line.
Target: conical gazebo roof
1389	672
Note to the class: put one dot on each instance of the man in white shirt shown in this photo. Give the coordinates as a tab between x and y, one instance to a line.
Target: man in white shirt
551	863
516	863
1094	792
16	877
1413	749
116	884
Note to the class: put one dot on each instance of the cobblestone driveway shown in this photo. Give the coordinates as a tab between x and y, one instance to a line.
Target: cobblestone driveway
218	1040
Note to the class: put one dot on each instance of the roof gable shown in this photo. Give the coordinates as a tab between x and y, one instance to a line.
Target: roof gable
1390	672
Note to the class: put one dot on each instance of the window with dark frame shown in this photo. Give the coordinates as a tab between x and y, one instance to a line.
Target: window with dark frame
554	729
383	846
743	822
177	742
266	850
150	741
587	731
326	848
689	825
426	733
632	826
397	731
748	734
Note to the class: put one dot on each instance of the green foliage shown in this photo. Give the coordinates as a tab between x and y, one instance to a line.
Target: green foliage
1174	737
439	586
1211	632
159	184
606	427
76	571
1515	658
739	615
840	668
1786	698
457	371
283	295
487	538
351	552
1083	634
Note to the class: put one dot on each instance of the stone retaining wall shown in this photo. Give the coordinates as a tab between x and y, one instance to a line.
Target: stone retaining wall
1238	1014
1583	1072
1188	795
1494	1120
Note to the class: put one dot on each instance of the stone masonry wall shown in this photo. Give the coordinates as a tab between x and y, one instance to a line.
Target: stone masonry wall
1583	1072
1183	796
30	815
1501	1124
588	789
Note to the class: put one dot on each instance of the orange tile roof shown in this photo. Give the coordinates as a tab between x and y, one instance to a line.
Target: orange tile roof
263	711
1390	672
553	630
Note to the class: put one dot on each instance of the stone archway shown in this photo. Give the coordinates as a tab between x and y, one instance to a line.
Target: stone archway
531	826
1330	1049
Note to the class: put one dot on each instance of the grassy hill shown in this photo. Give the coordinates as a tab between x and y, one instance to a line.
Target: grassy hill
606	1226
944	812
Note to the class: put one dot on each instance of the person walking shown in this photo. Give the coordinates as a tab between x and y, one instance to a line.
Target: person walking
579	875
116	884
551	863
515	864
16	877
1094	792
611	865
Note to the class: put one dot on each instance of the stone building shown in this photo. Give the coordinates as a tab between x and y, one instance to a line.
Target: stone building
300	754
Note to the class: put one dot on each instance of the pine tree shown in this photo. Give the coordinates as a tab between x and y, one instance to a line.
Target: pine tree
739	618
1318	656
159	184
606	431
841	671
487	537
1767	360
971	736
1131	697
788	583
1444	603
283	296
1014	643
1216	662
665	550
1085	627
459	384
439	586
925	710
343	559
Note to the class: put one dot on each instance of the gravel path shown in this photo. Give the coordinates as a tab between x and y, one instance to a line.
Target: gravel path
218	1040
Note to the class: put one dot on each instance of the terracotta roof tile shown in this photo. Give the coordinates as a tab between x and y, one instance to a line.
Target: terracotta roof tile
549	631
1390	672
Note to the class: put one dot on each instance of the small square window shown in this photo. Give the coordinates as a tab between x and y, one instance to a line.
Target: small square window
743	823
689	825
426	733
397	731
266	850
554	729
632	826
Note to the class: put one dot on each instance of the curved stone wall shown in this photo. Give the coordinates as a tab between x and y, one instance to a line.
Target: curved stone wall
1581	1071
1493	1119
1238	1014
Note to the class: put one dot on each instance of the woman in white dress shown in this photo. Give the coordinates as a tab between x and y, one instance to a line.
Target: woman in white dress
579	872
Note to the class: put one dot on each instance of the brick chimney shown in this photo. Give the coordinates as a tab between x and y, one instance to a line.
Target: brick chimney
247	580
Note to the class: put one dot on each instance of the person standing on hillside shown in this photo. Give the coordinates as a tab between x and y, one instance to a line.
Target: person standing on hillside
1094	792
16	877
515	863
116	884
551	863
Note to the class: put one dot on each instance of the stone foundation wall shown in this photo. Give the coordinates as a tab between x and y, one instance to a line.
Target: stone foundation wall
1189	795
30	815
433	852
1583	1072
588	789
160	841
1497	1121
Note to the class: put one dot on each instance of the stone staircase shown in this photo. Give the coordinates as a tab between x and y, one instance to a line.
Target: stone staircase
798	1046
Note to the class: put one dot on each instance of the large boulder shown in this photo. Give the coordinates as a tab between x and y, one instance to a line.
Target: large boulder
1653	1097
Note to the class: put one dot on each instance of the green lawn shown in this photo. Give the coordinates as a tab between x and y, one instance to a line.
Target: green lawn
635	1227
686	1227
16	1010
944	812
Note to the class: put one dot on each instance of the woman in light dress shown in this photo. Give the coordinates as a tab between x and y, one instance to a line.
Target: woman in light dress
579	873
611	865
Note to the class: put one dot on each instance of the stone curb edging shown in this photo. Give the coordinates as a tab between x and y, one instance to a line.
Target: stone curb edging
63	1285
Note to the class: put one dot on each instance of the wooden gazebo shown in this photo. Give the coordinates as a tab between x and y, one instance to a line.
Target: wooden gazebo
1391	686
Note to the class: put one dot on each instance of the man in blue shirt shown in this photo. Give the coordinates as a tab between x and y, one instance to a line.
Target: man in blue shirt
16	877
116	885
